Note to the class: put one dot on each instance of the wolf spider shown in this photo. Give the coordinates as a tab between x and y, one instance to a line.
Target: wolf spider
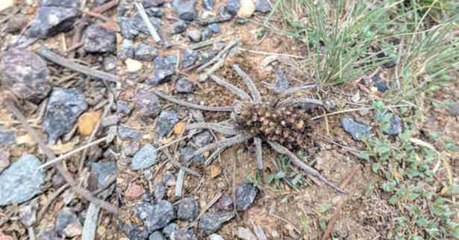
276	123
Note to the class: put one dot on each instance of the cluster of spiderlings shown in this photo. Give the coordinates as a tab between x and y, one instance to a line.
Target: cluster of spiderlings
285	125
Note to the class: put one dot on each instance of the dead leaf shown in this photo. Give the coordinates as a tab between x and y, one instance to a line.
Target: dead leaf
87	122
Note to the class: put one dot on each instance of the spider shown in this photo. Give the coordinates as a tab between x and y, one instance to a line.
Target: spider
275	122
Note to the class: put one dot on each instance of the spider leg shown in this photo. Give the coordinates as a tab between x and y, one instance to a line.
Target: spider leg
217	127
298	101
309	170
249	82
191	105
221	144
294	90
259	154
239	92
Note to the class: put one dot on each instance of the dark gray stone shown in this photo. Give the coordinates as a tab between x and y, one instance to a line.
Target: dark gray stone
202	139
25	74
64	108
164	68
454	109
154	12
48	234
281	83
245	196
169	229
28	213
208	4
98	39
21	181
127	27
128	133
185	9
359	131
103	171
6	136
186	155
66	218
155	216
212	222
109	63
60	3
395	126
262	6
156	236
50	21
206	34
160	191
126	50
144	158
130	148
152	3
190	57
178	27
165	122
194	35
122	107
232	7
184	234
58	180
184	85
144	52
225	202
214	27
147	104
188	209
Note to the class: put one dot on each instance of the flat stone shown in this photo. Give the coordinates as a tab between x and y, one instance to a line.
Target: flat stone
144	158
212	221
51	20
67	223
155	216
103	171
281	84
144	52
185	9
169	229
190	57
202	139
165	122
64	108
156	236
21	181
188	209
128	133
147	104
178	27
6	136
164	68
208	4
245	196
359	131
184	85
184	234
262	6
395	126
25	74
98	39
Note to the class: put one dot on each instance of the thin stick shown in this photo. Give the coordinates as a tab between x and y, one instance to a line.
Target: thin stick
59	166
249	82
191	105
307	169
213	156
220	63
212	126
359	109
271	53
147	22
299	101
209	205
239	92
220	55
56	58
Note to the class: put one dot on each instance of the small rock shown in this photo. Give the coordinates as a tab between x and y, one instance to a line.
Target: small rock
87	122
190	57
212	222
169	229
169	179
16	23
214	27
263	6
98	39
395	126
232	7
60	3
246	8
127	27
165	122
160	191
156	236
188	209
127	133
50	21
134	192
6	136
357	130
103	171
208	4
379	83
130	148
64	107
28	214
147	103
67	223
58	180
194	35
225	202
454	109
184	234
184	85
185	9
108	121
48	234
281	83
202	139
122	107
25	74
245	196
206	34
245	234
164	68
154	12
215	171
126	50
132	65
155	216
186	155
21	181
144	158
215	237
178	27
109	63
144	52
152	3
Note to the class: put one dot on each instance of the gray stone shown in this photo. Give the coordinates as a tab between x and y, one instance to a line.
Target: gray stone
144	52
58	180
28	213
186	155
190	57
169	229
281	83
184	234
126	50
155	216
51	20
6	136
48	234
225	202
164	68
232	7
215	237
25	74
188	209
147	104
103	171
262	6
152	3
395	126
160	191
98	39
169	179
122	107
66	222
21	181
245	196
128	133
165	122
60	3
109	63
144	158
212	222
208	4
156	236
185	9
214	27
184	85
178	27
206	34
359	131
202	139
130	148
194	35
64	108
154	12
454	109
127	27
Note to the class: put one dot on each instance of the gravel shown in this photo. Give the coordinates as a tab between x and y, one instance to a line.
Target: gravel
356	129
144	158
